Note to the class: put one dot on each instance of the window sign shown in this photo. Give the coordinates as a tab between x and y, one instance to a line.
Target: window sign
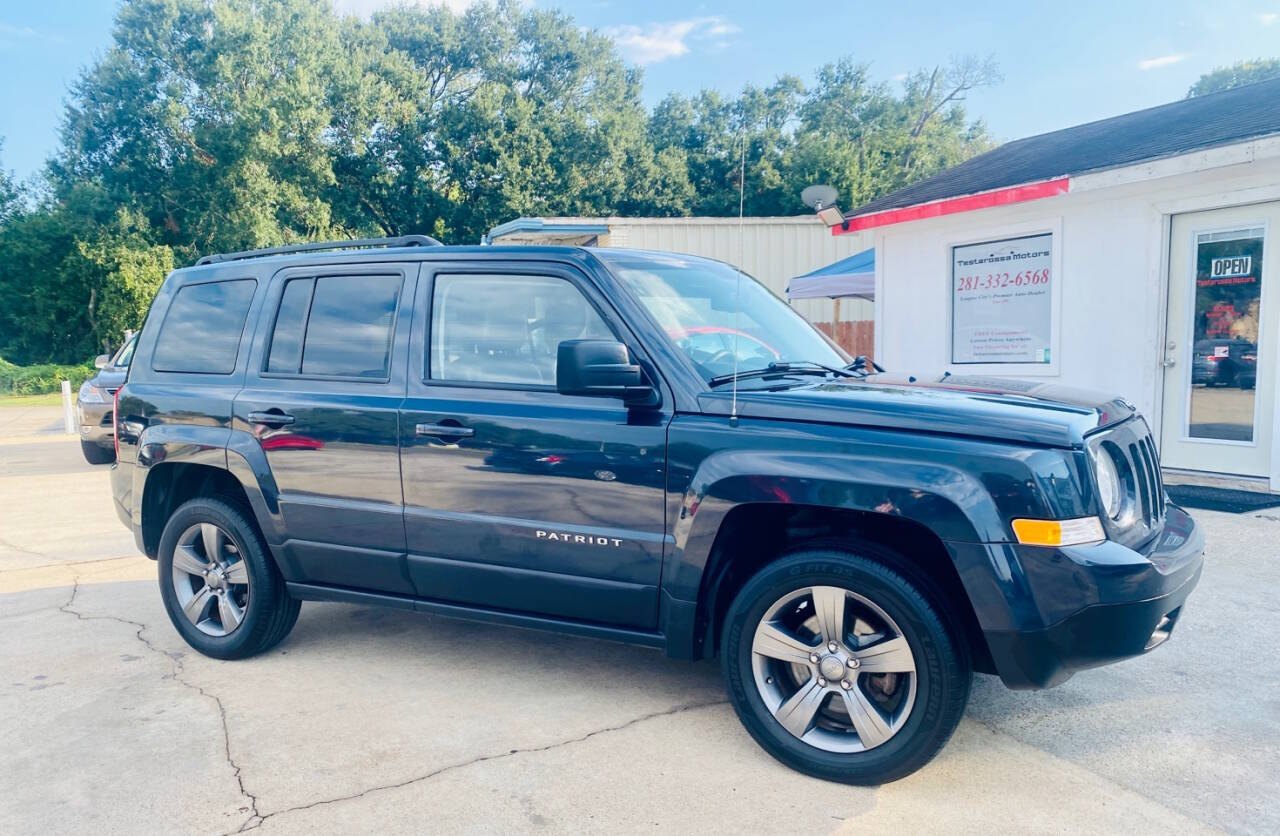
1001	304
1224	348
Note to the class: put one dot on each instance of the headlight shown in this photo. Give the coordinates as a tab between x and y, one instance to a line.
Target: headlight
91	394
1109	489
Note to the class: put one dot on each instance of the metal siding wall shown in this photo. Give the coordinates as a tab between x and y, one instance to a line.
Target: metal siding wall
775	252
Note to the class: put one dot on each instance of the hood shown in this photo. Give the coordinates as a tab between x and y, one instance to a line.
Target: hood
1022	411
111	377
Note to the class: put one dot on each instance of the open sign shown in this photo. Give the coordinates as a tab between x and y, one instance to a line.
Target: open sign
1231	266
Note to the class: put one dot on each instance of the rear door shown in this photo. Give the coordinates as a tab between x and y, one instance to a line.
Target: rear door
321	396
517	497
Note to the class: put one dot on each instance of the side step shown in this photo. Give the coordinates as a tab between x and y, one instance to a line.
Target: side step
316	592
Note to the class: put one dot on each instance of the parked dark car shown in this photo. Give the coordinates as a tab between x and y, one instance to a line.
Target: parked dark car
94	401
1224	362
1247	376
516	435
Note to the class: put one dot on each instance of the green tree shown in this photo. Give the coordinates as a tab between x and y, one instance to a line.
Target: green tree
75	276
1236	75
211	120
869	142
214	125
713	134
11	195
501	111
845	130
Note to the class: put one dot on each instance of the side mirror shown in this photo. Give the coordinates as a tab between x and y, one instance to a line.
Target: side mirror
602	369
102	361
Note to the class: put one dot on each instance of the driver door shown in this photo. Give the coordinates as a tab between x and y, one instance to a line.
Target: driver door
517	497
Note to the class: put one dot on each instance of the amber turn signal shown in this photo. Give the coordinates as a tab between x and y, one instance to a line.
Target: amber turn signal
1059	532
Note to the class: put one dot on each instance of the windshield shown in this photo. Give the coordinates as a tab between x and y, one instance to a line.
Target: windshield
712	317
125	355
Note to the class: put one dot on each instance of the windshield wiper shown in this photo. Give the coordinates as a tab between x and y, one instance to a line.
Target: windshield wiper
863	364
780	369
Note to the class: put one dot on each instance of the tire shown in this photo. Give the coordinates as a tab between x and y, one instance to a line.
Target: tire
267	612
96	454
920	714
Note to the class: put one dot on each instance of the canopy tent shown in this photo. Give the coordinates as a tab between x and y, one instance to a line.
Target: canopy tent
852	276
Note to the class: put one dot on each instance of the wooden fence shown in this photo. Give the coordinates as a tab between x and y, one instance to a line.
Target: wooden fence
857	337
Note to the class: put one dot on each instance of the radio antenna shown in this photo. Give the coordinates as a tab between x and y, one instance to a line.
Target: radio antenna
737	287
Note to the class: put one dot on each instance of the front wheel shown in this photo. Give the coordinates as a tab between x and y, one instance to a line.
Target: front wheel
841	669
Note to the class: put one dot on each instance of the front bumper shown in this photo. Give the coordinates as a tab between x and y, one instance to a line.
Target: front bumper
1079	607
96	426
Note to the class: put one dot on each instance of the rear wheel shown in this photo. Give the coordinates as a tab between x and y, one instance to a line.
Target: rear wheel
840	668
219	584
97	454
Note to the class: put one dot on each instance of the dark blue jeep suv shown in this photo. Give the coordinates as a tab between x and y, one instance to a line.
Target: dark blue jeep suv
643	447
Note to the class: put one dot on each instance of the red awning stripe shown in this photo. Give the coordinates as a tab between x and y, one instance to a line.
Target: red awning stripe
953	205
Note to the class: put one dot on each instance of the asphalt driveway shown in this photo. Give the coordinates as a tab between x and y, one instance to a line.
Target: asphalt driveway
377	720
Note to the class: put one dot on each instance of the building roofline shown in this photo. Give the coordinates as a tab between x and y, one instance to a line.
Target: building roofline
1236	117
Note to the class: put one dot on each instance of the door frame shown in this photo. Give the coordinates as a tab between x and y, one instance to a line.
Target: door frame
1165	211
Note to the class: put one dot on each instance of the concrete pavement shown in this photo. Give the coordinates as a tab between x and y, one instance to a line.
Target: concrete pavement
377	720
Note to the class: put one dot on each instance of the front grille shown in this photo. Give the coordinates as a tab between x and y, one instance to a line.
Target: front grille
1146	468
1134	450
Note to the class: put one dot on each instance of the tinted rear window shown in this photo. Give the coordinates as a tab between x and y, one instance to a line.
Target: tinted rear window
335	326
349	330
291	323
201	330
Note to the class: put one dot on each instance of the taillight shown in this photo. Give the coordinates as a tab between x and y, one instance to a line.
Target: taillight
115	421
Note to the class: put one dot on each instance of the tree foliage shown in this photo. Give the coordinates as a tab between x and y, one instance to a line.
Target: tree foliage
1236	75
215	125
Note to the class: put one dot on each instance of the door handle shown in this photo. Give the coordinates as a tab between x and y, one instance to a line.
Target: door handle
444	430
271	418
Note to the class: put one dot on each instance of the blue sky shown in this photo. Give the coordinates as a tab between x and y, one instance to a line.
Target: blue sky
1064	62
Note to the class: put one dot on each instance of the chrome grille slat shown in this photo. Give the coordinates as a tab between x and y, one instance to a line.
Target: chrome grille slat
1134	448
1138	464
1153	461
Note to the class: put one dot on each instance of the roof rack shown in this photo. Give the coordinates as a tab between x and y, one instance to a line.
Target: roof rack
399	241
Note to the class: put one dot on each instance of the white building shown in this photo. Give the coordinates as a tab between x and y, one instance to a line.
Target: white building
774	250
1138	255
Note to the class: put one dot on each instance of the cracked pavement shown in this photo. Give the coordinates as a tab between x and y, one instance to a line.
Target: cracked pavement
379	720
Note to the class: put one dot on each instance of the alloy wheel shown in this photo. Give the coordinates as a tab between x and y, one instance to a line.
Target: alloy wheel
834	669
211	579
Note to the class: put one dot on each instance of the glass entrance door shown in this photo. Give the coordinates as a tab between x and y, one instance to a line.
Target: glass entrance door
1219	387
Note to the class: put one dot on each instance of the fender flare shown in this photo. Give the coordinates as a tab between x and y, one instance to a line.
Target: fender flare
236	452
945	499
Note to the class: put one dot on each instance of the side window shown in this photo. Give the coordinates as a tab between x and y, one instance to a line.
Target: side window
506	329
335	326
291	322
201	329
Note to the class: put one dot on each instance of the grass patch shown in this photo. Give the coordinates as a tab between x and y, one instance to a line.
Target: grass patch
52	399
41	379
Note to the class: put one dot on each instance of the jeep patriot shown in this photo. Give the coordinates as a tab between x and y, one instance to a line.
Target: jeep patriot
642	447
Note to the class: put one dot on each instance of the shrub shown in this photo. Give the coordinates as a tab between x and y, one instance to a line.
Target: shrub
42	379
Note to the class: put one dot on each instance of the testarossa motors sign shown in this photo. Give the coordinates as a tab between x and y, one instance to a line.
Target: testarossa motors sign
1001	304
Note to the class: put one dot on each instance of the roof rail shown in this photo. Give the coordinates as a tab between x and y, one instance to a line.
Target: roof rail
399	241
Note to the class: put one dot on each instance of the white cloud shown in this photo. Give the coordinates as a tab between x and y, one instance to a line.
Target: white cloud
654	42
1162	61
1268	18
8	30
11	35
